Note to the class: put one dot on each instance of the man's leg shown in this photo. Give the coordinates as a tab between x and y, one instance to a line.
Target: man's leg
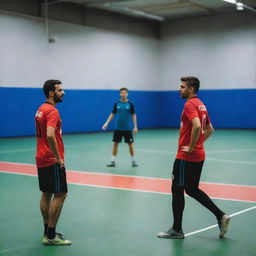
192	176
54	212
44	207
192	189
128	136
114	154
131	150
178	203
115	149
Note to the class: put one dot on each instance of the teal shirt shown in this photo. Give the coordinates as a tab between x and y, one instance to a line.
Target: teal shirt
123	112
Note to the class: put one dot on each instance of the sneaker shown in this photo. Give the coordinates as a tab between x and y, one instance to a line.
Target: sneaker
223	225
134	164
58	240
171	233
112	164
45	236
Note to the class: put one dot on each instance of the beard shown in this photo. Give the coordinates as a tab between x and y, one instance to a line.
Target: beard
57	99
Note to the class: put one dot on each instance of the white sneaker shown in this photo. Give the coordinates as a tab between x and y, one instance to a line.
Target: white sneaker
57	241
223	225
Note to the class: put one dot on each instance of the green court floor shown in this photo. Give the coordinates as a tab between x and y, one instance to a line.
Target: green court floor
110	222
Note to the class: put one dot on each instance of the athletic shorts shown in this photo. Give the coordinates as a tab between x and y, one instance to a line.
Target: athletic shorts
118	135
185	173
52	179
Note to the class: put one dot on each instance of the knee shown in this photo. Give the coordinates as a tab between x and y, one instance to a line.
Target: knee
177	190
61	196
191	191
46	196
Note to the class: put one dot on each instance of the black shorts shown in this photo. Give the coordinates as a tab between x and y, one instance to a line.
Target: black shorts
118	135
185	173
52	179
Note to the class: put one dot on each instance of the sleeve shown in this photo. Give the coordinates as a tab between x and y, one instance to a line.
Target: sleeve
191	111
114	109
52	118
132	109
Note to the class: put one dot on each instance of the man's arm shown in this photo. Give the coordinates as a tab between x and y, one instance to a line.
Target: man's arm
208	131
134	119
53	145
196	127
111	116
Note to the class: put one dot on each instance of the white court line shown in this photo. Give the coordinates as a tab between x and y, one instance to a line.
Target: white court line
216	225
127	189
101	172
155	151
230	161
207	158
17	150
232	150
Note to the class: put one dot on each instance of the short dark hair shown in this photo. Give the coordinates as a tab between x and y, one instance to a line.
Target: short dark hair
123	89
49	85
191	81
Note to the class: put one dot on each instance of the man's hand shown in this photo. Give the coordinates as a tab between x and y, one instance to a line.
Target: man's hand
61	163
105	126
186	149
135	130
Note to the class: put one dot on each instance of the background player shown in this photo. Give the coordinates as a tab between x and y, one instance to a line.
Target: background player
194	131
124	110
50	162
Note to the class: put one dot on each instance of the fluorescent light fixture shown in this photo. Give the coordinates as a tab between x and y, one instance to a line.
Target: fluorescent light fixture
240	6
230	1
138	13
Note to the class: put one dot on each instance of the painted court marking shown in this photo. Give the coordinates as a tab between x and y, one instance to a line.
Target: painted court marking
143	184
216	225
135	183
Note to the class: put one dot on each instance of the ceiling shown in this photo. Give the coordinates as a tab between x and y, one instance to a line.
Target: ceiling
161	10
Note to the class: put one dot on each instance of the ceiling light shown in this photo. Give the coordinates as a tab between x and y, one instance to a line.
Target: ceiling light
231	1
240	6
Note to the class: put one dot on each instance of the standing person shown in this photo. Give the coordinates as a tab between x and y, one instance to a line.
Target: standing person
124	110
194	131
50	162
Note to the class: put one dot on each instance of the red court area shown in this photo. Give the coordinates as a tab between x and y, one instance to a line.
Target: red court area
146	184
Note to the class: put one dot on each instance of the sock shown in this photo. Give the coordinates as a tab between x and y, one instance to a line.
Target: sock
51	233
45	229
132	158
113	158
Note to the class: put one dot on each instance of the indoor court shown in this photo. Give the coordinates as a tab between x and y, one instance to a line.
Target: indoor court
96	47
119	211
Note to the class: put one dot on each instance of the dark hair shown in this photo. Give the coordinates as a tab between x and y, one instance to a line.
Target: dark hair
123	89
191	81
49	85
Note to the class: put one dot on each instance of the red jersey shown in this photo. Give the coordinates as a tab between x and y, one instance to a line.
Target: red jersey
193	108
47	115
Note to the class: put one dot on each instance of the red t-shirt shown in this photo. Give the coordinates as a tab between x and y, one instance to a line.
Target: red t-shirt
193	108
47	115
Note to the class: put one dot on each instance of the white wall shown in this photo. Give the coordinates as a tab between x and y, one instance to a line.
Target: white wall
220	50
82	57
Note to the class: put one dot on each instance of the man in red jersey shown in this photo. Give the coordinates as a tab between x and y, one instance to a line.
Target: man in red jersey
50	162
194	131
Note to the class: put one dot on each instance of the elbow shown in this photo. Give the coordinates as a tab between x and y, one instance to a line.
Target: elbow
49	137
197	127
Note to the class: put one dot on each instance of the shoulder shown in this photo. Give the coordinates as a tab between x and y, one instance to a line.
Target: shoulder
51	111
130	102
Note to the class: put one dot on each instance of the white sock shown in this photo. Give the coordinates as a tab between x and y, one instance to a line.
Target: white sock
132	158
113	158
